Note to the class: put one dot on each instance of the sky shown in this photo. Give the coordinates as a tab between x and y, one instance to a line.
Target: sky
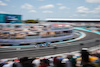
44	9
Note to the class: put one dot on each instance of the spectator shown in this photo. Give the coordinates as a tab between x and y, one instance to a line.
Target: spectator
44	63
23	62
72	60
1	65
85	59
93	57
4	61
98	60
78	64
57	62
8	65
51	61
66	62
36	61
60	58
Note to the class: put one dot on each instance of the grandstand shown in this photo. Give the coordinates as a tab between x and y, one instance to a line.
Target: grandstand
30	34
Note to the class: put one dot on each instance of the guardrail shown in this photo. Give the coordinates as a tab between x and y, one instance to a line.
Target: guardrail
35	40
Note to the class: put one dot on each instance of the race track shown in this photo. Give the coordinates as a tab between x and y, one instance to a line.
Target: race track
45	51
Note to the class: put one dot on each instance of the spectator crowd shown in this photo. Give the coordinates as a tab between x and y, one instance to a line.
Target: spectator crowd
85	59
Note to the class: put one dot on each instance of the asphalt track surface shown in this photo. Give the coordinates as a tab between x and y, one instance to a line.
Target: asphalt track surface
45	51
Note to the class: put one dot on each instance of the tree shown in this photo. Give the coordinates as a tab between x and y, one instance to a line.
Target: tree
31	21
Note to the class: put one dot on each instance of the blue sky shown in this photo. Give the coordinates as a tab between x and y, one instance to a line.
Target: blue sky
43	9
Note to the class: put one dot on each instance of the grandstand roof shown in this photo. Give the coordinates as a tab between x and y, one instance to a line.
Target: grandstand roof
51	19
